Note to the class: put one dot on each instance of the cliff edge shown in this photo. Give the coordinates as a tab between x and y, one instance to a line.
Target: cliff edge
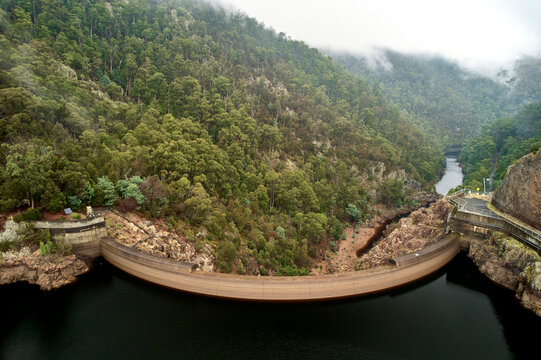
520	191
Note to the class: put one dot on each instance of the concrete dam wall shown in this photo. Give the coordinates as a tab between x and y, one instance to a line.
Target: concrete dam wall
181	276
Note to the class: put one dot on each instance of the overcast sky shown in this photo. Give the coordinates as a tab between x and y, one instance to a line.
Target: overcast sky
478	33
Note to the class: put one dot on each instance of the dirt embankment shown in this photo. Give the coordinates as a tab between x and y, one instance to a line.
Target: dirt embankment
49	272
344	256
155	238
510	264
421	228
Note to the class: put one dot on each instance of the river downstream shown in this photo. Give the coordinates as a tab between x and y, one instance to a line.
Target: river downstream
454	314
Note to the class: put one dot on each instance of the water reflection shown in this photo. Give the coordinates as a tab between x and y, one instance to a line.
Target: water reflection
456	313
452	178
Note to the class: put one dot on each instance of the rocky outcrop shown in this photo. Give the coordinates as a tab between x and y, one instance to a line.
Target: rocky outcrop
49	272
423	227
520	191
155	238
510	264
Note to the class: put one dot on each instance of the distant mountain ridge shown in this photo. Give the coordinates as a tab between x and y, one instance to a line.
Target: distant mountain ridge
450	102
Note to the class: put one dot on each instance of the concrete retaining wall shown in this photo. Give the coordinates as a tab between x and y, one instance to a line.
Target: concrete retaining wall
297	288
83	235
478	225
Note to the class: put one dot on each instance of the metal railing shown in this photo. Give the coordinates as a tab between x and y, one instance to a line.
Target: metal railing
532	238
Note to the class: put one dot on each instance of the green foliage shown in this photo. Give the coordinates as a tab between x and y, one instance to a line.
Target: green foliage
208	118
107	187
412	202
63	247
500	144
74	203
46	248
225	256
53	199
353	212
392	191
336	228
287	270
31	214
280	232
76	216
130	189
450	102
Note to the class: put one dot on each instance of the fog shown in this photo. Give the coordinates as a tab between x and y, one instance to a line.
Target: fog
483	35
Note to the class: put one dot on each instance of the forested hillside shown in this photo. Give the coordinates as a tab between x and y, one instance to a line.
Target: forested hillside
500	144
237	135
449	101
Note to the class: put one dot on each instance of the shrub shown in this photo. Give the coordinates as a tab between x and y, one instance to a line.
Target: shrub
225	256
63	247
75	216
31	214
18	218
280	232
45	249
9	204
287	270
46	246
5	246
53	200
74	202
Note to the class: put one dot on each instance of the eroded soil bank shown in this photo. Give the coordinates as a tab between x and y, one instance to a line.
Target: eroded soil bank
358	241
421	228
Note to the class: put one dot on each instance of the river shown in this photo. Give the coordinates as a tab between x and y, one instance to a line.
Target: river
452	178
454	314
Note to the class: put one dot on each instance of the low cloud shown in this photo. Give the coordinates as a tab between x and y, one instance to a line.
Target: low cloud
483	35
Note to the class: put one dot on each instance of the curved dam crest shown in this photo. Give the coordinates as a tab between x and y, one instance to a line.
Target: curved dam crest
181	276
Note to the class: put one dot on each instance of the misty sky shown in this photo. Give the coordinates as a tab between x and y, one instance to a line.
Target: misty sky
478	33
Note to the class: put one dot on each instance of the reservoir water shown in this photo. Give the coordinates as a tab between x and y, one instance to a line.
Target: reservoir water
454	314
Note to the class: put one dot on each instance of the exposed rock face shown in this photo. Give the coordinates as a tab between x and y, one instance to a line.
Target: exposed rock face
376	172
49	272
520	191
510	264
423	227
156	239
10	231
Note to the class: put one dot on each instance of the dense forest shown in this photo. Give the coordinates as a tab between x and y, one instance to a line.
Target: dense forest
238	136
450	102
499	145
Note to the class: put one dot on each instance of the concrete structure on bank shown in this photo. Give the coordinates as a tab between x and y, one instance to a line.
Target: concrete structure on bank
83	235
89	237
473	217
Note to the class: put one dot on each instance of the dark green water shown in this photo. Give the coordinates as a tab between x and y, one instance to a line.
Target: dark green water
454	314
